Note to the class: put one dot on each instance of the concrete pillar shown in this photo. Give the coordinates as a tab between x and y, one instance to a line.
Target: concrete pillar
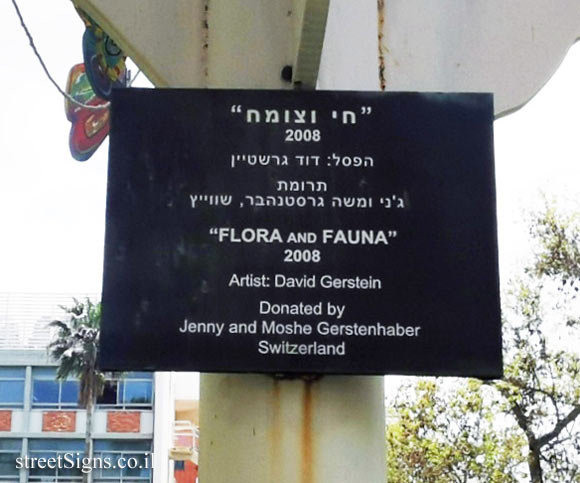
254	428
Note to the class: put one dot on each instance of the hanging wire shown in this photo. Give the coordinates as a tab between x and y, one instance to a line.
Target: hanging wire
130	83
38	56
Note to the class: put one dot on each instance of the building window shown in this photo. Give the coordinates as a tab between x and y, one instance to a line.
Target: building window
133	391
12	387
53	448
47	392
9	451
135	456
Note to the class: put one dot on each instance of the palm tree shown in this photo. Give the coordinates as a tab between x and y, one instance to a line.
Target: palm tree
75	347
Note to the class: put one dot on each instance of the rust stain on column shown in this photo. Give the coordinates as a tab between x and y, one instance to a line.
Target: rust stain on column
205	37
307	443
382	47
276	434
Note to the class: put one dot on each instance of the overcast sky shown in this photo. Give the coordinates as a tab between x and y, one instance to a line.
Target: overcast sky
52	207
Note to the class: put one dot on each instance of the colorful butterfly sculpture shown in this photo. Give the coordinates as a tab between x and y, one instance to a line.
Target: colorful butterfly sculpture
104	60
91	84
89	127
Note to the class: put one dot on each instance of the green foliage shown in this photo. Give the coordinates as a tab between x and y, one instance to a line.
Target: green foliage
448	431
75	347
524	427
559	240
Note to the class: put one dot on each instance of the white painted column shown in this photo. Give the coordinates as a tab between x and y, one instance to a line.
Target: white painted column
164	415
260	429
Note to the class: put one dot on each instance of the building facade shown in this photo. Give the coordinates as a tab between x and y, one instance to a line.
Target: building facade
40	416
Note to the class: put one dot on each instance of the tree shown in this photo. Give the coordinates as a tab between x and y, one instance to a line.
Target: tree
523	427
75	347
541	387
448	431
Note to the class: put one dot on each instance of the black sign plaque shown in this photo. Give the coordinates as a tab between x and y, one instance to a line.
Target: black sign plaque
301	232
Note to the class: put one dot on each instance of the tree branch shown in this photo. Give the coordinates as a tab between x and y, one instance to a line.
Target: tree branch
560	425
553	396
523	423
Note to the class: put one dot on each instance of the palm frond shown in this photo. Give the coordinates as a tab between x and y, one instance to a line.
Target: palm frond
75	346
